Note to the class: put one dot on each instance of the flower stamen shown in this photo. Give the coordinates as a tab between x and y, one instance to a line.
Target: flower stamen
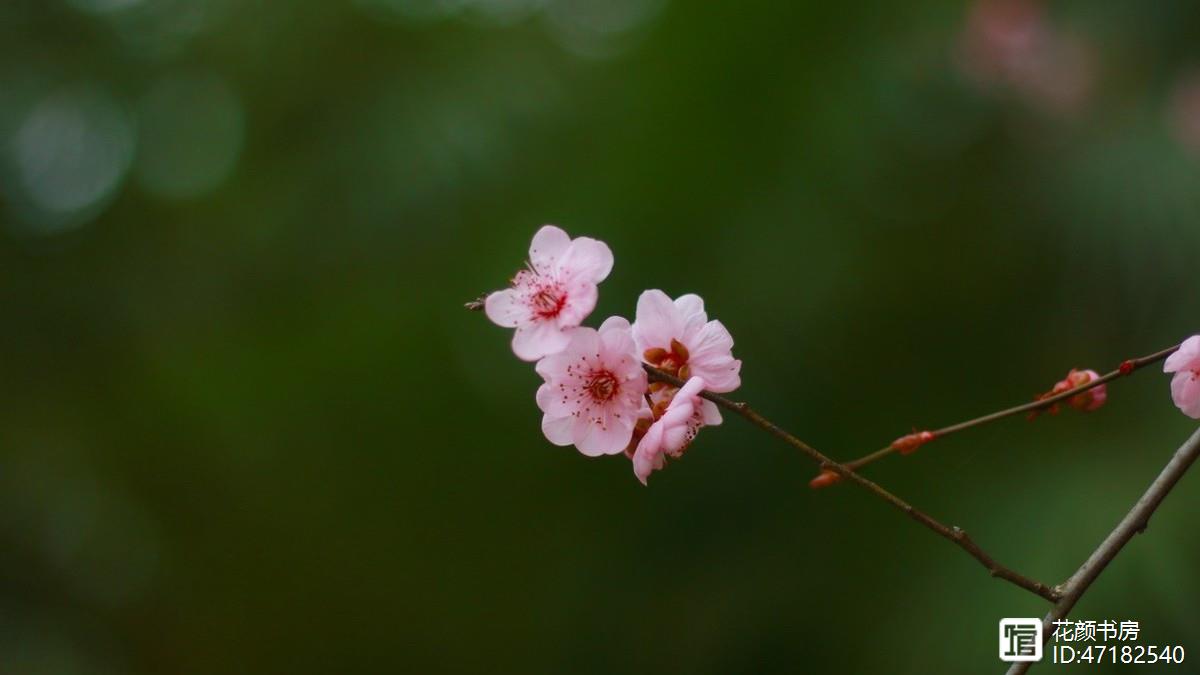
547	303
602	386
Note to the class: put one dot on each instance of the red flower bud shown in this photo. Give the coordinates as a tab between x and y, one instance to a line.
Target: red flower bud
824	479
1085	401
906	445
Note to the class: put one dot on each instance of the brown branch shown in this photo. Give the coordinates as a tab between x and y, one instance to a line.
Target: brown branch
953	534
1127	368
1131	525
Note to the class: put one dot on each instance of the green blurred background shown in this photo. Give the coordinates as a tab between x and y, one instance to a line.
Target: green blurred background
246	426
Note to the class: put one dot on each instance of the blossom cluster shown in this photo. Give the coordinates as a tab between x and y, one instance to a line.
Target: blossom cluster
596	394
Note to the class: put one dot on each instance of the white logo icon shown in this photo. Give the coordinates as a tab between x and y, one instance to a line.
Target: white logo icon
1020	640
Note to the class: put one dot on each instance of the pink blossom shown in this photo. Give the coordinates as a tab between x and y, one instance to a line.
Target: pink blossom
554	295
672	432
1092	398
676	336
595	390
1185	387
1085	401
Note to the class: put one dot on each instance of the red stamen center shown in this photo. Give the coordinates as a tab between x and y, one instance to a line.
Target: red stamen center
546	303
602	385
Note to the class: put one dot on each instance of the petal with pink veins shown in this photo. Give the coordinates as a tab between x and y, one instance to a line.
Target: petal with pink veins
691	310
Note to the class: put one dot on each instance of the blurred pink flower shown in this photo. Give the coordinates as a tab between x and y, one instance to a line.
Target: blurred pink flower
672	432
554	295
1185	387
1012	44
595	390
678	337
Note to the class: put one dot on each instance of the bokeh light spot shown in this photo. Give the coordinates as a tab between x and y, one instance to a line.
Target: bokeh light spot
69	155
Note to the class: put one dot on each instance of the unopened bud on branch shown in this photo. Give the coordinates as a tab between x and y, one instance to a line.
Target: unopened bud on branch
824	479
906	445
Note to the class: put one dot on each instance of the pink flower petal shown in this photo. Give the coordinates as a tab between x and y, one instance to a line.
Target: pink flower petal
1185	358
690	389
616	337
1185	390
547	248
601	438
657	321
648	457
690	308
713	339
552	402
551	364
674	437
558	430
711	358
505	308
581	300
614	323
586	260
537	340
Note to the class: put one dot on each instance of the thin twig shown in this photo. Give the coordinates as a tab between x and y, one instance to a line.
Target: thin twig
1127	368
1131	525
953	534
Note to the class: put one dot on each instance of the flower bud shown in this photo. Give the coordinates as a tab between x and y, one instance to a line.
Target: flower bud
824	479
906	445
